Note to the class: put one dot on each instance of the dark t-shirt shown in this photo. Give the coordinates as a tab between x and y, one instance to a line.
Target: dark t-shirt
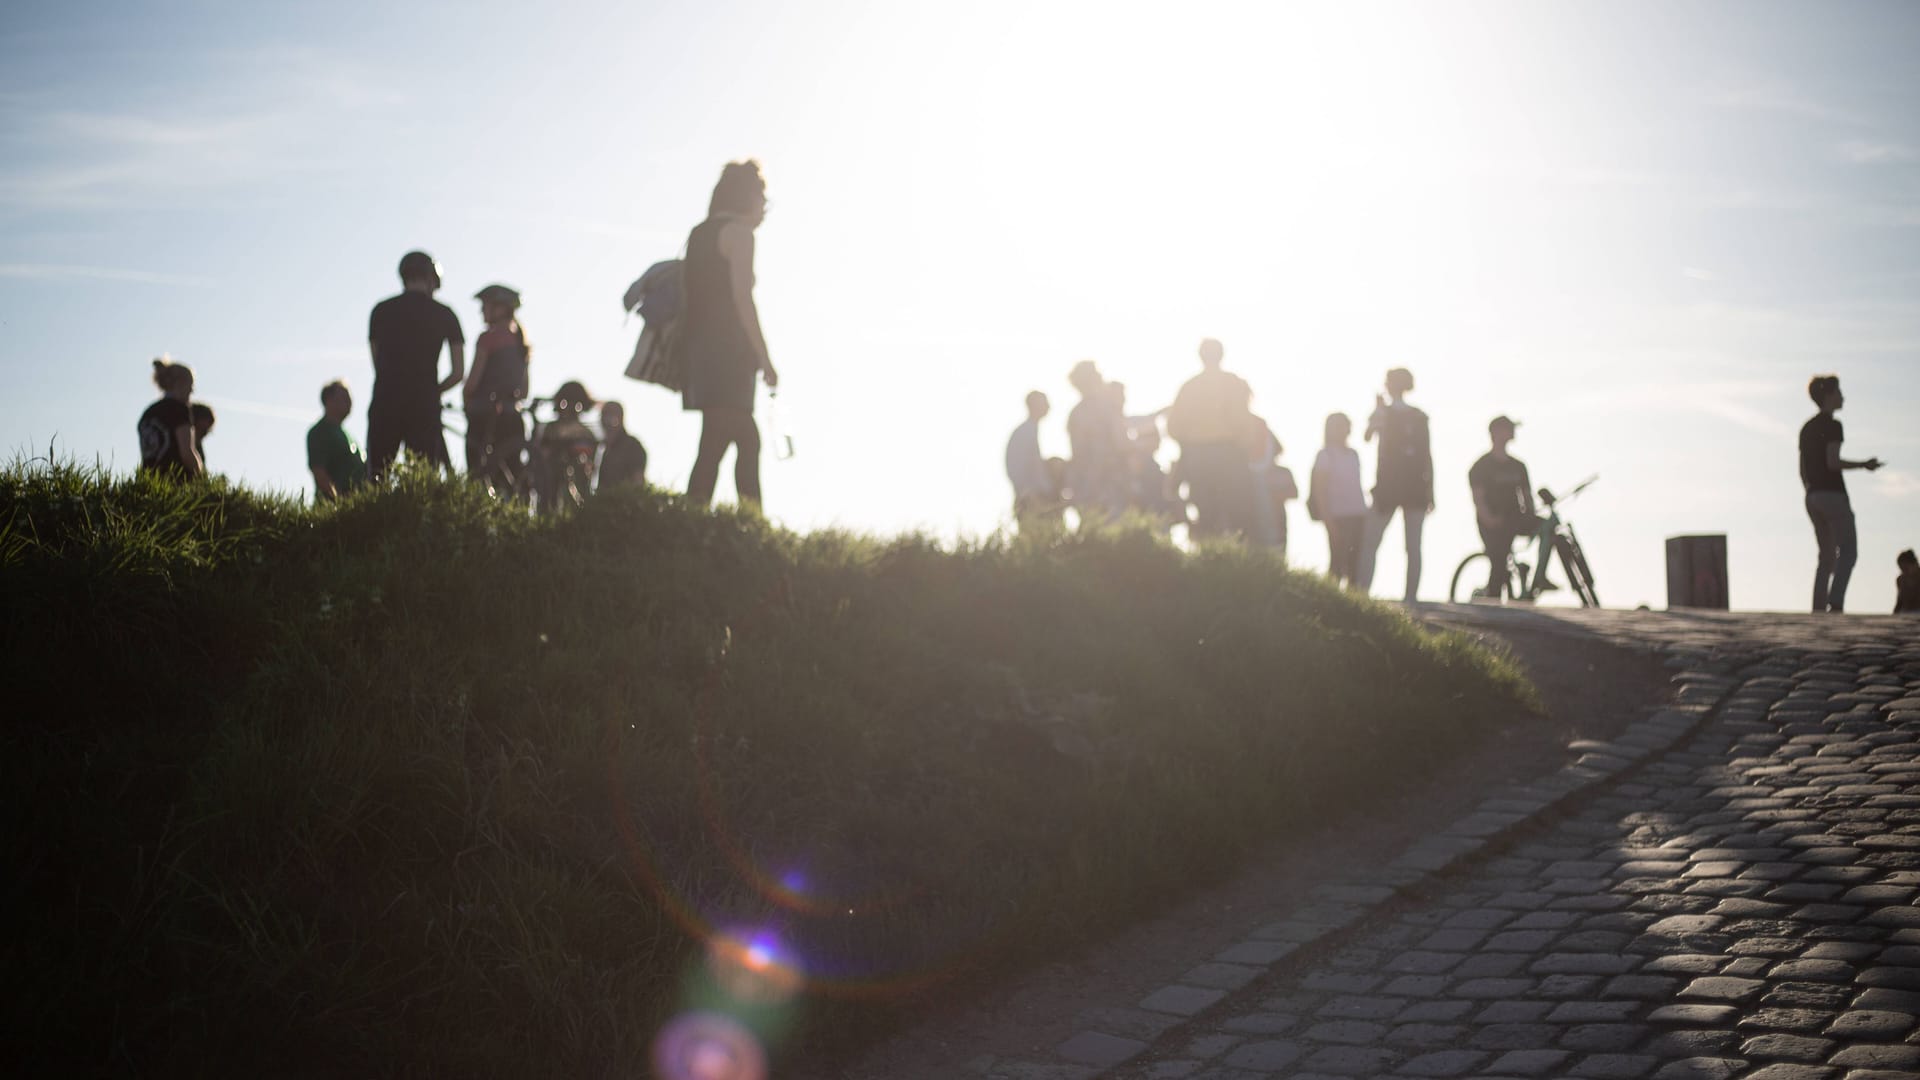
1815	473
623	462
408	332
159	450
329	447
1505	486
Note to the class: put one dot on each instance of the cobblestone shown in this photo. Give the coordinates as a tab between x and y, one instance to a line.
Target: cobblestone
1735	904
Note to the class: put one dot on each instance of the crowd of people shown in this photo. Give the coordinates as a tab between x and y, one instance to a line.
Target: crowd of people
1227	480
720	355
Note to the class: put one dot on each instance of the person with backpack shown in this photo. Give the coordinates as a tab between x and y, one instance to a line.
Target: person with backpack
167	444
1403	479
720	342
405	334
496	434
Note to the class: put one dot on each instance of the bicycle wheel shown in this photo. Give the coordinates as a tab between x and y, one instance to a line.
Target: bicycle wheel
1578	575
1472	574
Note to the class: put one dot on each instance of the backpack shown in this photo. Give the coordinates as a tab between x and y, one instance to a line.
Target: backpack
659	295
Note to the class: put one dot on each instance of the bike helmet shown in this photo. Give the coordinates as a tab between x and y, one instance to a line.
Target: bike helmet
419	266
498	294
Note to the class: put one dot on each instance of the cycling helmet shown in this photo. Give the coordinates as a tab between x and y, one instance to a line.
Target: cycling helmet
498	294
419	266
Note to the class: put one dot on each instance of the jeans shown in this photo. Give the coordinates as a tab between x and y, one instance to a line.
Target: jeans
1832	516
1377	519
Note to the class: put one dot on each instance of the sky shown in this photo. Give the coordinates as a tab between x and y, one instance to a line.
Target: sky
1636	227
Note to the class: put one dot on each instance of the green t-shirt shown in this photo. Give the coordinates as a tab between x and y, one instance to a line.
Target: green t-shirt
329	447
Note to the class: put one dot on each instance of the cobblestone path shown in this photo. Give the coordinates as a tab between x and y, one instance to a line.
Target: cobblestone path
1741	904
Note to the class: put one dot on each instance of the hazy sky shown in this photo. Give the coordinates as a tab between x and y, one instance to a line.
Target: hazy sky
1638	228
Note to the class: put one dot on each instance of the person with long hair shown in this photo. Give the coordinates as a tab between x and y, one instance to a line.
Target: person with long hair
496	436
722	345
167	442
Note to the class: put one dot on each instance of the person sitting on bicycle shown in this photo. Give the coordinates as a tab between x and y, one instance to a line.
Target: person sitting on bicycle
564	443
496	437
1502	503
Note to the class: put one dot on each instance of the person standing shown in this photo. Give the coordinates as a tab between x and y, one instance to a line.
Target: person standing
1273	487
332	457
1502	502
720	337
1212	420
623	460
1035	499
405	335
1403	478
167	443
1906	587
1829	508
496	434
1096	446
1336	499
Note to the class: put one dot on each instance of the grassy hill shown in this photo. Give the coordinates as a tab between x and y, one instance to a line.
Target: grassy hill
417	785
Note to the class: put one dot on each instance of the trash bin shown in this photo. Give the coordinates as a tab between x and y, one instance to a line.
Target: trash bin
1697	572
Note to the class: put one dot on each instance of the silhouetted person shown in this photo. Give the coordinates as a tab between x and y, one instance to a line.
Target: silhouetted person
1096	442
720	338
167	443
1212	420
405	335
562	442
1150	492
1336	499
623	461
1907	586
1502	502
332	456
1821	467
496	434
1272	487
1403	479
1035	496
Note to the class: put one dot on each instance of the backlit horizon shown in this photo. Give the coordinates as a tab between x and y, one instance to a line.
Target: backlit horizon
1636	228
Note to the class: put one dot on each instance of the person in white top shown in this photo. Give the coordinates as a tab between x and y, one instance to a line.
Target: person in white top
1035	496
1336	500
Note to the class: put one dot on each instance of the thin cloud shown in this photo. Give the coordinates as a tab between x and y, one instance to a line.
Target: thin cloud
1865	152
1780	100
61	272
1698	273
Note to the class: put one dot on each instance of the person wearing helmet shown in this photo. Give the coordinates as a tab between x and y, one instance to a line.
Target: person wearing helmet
564	444
496	436
405	335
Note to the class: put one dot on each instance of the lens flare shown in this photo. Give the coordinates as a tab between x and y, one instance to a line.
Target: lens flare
707	1046
753	967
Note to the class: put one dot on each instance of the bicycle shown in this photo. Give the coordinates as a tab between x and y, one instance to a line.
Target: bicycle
1525	583
503	465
